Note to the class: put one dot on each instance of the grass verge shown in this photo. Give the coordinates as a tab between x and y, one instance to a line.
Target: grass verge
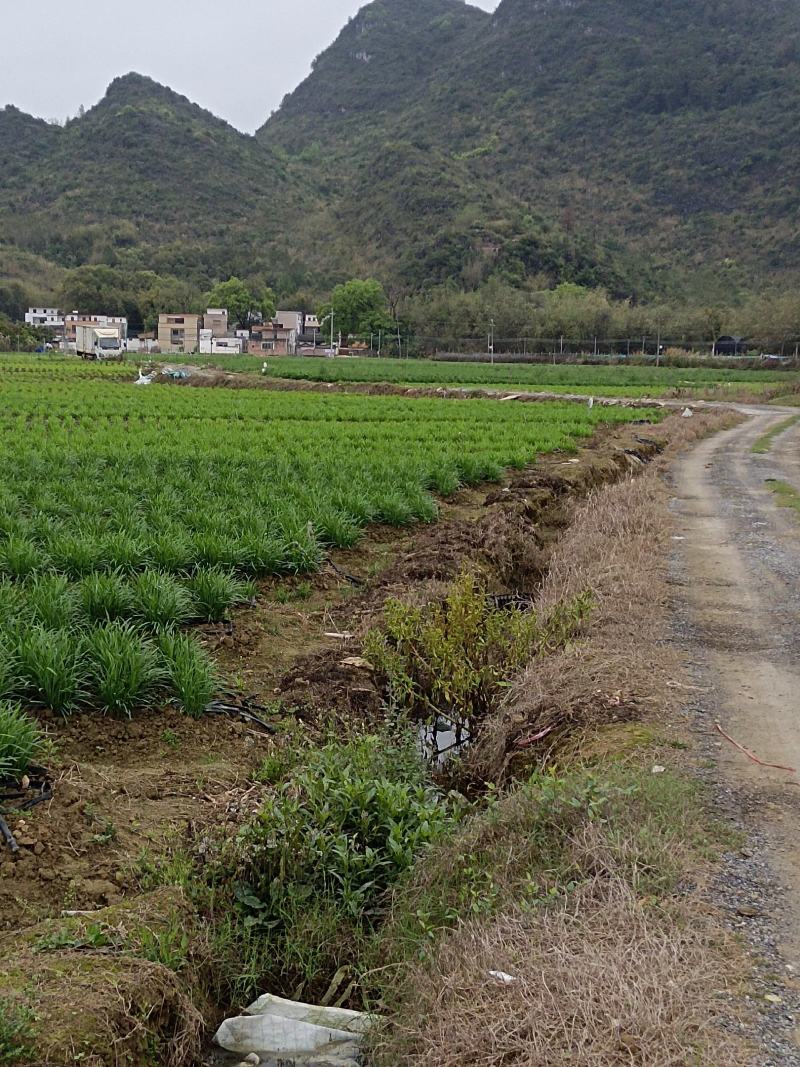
764	443
787	496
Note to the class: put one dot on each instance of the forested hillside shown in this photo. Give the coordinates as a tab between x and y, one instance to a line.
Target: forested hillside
650	150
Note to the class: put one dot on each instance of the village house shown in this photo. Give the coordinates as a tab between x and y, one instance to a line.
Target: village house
273	338
50	318
216	320
179	333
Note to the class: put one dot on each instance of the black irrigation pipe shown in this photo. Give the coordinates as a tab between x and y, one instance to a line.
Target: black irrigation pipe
218	707
42	790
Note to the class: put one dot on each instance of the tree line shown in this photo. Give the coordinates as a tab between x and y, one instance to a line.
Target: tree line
445	316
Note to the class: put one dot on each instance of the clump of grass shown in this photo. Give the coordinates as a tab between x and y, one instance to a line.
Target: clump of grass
105	597
765	442
787	496
190	672
51	601
9	666
160	600
566	875
21	741
19	557
51	668
214	591
124	667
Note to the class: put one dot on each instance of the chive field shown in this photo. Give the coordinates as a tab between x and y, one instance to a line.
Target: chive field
632	381
127	514
599	380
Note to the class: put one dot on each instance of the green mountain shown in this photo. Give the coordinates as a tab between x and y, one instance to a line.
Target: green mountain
635	140
647	148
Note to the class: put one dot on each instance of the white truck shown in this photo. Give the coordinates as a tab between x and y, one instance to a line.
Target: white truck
99	342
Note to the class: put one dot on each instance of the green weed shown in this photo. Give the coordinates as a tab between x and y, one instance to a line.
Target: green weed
21	741
16	1033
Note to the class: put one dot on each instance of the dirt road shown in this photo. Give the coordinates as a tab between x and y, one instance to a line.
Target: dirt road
739	580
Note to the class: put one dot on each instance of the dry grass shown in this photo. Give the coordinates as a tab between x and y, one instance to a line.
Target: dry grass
619	969
603	978
617	547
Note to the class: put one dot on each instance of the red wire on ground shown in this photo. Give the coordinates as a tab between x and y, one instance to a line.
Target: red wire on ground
750	755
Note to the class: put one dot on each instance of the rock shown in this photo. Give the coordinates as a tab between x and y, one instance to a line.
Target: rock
747	911
47	874
101	891
253	1059
357	661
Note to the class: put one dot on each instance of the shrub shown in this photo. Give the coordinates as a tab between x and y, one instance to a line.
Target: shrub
124	667
317	862
21	740
190	673
454	657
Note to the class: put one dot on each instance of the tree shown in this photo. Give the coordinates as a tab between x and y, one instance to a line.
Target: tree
243	305
359	308
14	300
94	290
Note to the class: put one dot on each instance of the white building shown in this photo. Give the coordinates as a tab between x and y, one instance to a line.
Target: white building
52	318
223	346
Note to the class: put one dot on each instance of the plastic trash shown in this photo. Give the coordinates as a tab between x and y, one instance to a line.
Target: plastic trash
144	379
273	1027
688	413
502	977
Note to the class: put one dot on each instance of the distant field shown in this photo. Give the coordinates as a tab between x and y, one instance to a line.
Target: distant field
611	381
600	380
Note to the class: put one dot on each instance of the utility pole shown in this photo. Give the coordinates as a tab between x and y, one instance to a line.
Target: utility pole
491	339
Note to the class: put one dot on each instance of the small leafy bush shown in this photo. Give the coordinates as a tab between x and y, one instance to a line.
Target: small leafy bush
453	657
16	1033
21	741
124	667
316	865
190	672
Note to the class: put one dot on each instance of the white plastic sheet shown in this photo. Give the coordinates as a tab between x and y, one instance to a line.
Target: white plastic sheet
273	1027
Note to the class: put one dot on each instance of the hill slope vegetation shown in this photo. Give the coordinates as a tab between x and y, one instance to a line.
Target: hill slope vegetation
647	149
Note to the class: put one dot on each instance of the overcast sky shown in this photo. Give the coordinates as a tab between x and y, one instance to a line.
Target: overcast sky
238	58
